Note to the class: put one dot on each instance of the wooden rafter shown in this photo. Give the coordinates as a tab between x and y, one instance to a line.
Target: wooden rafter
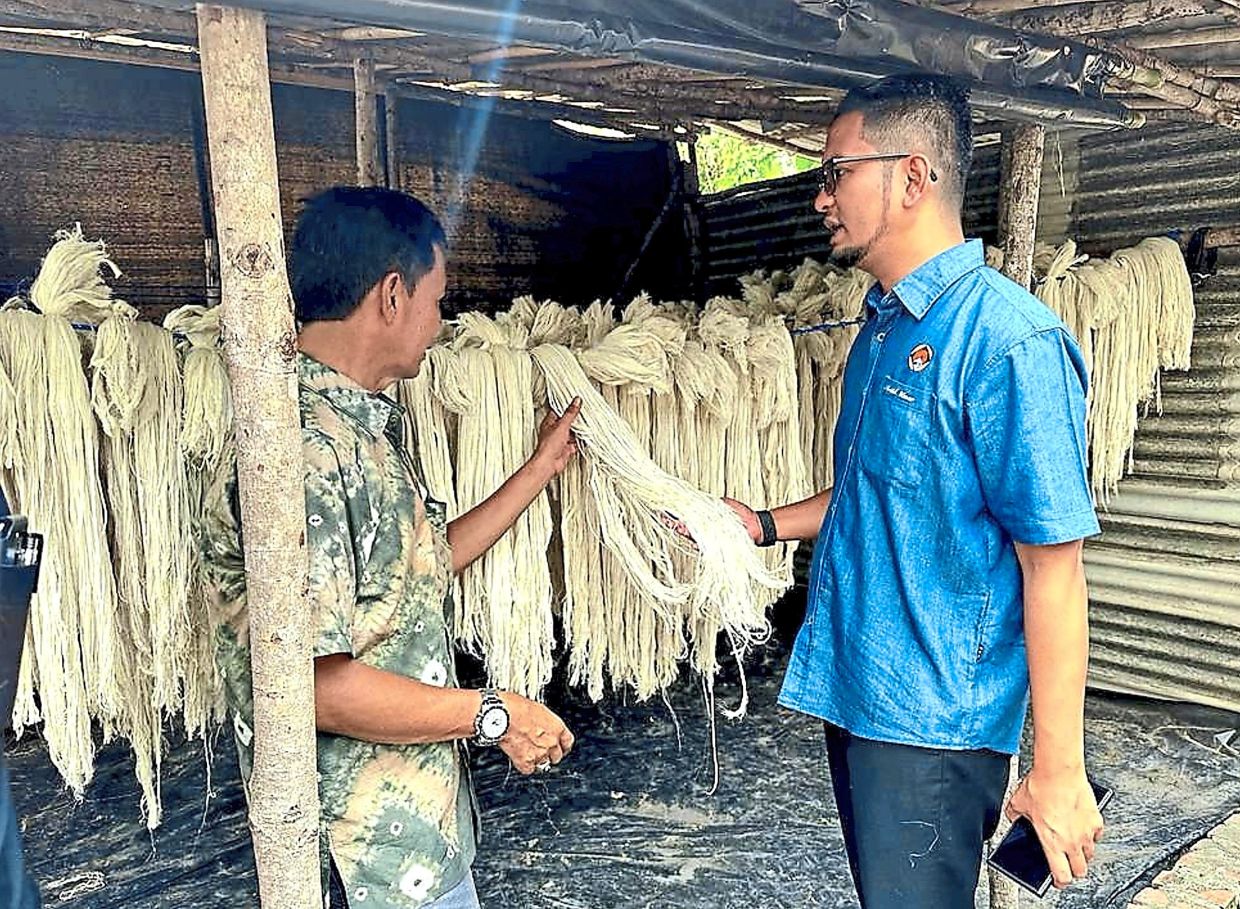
1091	18
1225	34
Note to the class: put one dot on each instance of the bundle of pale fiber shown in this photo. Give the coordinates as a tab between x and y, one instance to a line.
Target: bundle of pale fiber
702	401
1132	315
96	454
74	661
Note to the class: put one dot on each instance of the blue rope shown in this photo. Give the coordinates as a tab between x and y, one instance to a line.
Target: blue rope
825	326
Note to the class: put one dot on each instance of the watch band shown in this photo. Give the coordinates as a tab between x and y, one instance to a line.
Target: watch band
767	522
490	701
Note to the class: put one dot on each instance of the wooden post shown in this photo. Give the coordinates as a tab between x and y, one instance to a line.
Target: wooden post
693	223
260	350
390	126
366	110
1020	187
211	264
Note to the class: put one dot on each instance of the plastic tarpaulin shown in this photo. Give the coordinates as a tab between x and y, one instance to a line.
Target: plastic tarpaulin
815	43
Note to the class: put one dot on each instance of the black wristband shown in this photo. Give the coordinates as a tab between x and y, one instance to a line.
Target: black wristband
767	522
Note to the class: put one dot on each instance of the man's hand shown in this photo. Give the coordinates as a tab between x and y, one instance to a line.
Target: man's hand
748	517
535	734
1066	817
556	444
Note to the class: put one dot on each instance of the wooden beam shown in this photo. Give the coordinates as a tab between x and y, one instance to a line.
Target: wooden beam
366	119
390	132
989	7
1223	237
149	56
97	15
570	63
670	100
1091	18
260	349
1224	34
772	141
371	33
511	52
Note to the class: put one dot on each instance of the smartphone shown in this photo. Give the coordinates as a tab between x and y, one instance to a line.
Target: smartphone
1019	855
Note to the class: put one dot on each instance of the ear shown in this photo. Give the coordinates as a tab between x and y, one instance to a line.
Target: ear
919	178
391	293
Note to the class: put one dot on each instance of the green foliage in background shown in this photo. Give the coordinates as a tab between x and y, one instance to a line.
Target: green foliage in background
725	160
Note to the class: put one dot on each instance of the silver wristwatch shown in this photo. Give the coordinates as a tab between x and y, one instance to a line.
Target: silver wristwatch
491	723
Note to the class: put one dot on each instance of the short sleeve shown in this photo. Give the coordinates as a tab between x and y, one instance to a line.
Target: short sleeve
332	572
1026	416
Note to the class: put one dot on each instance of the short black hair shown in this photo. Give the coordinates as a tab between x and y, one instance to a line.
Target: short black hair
348	237
919	112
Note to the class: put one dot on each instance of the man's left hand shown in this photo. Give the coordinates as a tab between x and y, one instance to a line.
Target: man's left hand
1065	815
556	443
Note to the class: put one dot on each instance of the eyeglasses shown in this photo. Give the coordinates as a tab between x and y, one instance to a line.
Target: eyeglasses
830	173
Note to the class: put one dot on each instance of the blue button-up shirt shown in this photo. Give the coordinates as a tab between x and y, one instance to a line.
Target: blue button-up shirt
962	431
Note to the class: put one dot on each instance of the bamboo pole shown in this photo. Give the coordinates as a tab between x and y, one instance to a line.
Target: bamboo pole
260	350
366	110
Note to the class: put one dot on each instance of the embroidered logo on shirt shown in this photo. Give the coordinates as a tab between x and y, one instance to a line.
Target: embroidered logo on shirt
920	356
900	393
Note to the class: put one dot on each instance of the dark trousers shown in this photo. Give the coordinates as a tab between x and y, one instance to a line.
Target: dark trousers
337	898
17	890
914	819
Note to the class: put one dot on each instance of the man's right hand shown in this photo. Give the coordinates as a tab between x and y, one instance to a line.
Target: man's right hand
535	734
748	517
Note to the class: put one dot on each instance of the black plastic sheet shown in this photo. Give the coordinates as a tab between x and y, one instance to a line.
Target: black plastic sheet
628	820
1021	75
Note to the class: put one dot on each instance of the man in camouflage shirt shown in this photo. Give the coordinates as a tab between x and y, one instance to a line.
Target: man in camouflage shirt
398	825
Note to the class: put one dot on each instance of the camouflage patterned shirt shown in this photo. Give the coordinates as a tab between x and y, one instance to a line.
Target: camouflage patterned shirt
398	819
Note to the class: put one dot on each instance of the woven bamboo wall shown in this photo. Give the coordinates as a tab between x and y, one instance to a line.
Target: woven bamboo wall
112	146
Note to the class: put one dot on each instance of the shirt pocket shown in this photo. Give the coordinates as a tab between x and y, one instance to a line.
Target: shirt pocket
896	432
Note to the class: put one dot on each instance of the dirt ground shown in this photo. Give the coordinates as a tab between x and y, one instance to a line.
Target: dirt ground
629	819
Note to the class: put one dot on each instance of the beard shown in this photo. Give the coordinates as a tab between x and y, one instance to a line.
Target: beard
848	256
855	256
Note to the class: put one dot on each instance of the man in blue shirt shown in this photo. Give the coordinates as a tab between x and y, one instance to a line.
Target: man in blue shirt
947	580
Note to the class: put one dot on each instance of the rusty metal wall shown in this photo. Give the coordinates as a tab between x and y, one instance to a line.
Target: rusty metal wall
773	224
1165	574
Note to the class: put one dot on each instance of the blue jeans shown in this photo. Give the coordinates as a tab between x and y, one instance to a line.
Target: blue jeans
462	896
17	890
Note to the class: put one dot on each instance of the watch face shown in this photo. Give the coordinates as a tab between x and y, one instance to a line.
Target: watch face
494	723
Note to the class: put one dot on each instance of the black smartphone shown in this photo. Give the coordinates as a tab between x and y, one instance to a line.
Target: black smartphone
1019	855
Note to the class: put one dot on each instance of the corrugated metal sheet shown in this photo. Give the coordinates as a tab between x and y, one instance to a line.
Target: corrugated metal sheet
1165	574
773	224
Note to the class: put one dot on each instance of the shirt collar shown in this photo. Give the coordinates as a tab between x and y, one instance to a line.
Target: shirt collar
372	411
921	288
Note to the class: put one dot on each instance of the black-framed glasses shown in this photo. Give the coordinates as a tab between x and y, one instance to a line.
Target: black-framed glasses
830	173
